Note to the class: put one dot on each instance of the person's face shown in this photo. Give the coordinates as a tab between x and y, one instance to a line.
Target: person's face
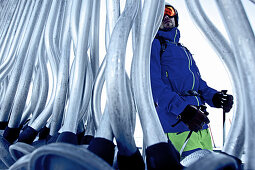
167	23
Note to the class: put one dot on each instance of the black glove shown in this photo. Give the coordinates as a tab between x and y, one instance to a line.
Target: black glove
194	117
223	100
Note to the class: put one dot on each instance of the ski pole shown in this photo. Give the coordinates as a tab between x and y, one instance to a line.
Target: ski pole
185	143
224	92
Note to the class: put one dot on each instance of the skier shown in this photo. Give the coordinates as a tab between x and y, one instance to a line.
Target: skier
178	90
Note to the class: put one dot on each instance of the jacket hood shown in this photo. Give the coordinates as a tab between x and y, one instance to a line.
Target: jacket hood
172	35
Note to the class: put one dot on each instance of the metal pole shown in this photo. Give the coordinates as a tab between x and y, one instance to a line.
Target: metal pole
243	41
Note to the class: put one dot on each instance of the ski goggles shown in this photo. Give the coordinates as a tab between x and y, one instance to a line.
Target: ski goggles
170	11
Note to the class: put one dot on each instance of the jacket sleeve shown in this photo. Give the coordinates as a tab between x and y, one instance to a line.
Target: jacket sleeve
163	95
206	92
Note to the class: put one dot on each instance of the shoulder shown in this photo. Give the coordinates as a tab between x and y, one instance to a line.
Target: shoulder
156	42
155	45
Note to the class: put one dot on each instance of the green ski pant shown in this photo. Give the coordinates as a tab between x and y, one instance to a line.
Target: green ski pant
198	140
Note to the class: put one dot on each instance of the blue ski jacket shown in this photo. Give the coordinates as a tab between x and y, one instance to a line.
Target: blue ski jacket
173	74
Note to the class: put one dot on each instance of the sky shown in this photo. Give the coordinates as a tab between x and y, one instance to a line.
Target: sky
210	65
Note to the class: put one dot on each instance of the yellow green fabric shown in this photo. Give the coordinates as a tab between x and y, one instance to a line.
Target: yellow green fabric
198	140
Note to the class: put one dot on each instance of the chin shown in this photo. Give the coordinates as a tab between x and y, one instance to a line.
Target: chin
169	27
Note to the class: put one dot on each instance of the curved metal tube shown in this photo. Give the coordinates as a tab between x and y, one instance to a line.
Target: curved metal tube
4	85
105	129
3	10
243	40
2	91
132	103
44	83
3	33
35	88
152	130
76	7
112	15
87	91
53	53
107	34
63	75
20	57
253	1
58	29
136	27
8	12
235	140
159	17
71	77
96	94
25	79
118	101
11	31
9	58
51	47
90	127
41	120
45	114
81	62
34	97
94	34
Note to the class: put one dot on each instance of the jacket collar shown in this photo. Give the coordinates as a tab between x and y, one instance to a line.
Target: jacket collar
172	35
